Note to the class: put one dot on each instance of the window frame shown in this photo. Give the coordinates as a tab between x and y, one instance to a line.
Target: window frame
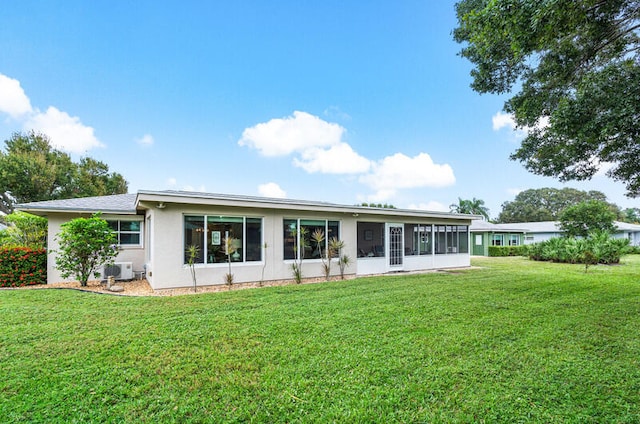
118	232
288	248
204	258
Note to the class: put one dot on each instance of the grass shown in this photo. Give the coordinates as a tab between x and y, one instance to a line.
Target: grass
515	341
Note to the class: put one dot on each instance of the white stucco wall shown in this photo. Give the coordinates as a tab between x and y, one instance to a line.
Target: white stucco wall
127	254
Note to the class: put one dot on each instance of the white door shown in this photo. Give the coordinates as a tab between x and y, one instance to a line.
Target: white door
395	247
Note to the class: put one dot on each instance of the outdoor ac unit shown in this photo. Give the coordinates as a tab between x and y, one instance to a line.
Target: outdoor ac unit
119	271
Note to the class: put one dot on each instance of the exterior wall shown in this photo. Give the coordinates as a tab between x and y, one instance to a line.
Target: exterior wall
162	254
166	268
126	254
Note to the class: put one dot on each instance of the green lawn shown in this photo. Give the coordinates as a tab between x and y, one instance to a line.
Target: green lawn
515	341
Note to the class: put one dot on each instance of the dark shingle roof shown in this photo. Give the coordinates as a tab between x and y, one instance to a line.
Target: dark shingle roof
117	203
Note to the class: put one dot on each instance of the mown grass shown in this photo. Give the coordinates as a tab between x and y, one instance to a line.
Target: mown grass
514	341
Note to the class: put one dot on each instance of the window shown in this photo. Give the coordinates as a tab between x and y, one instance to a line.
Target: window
417	239
127	231
294	229
514	240
210	232
497	240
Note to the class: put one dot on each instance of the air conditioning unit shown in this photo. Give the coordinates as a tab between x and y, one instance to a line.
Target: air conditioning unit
119	271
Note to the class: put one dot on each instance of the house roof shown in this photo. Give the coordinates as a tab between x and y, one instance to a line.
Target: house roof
186	197
129	203
481	226
553	226
117	203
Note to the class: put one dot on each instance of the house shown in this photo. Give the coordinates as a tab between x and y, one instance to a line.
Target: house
155	229
485	234
541	231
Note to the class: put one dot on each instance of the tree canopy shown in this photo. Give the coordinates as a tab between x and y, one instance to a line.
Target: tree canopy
587	217
546	204
32	170
576	65
473	206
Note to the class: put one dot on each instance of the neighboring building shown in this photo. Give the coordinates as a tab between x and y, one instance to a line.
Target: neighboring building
532	232
155	229
485	234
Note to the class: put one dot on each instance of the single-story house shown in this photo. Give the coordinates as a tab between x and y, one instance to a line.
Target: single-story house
156	228
541	231
485	234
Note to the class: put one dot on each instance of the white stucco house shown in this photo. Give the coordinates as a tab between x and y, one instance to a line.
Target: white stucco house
535	232
155	228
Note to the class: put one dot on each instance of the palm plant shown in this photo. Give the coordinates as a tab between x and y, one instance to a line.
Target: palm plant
473	207
230	247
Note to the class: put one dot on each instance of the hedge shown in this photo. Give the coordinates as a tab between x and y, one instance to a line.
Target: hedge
22	266
507	250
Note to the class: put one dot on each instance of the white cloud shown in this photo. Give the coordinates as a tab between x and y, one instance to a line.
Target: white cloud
514	191
201	189
400	171
284	136
501	120
172	182
430	206
13	100
338	159
146	140
506	120
334	112
271	190
66	132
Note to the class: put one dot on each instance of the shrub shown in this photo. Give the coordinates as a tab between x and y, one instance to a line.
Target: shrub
599	247
22	266
507	251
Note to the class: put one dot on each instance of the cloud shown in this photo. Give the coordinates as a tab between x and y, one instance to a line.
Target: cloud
338	159
13	101
146	140
400	171
430	206
506	120
297	133
501	120
514	191
66	132
271	190
317	147
172	182
334	112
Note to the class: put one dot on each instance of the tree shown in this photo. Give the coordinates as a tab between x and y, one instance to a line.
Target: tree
546	204
24	230
473	206
631	215
32	170
86	244
577	66
587	217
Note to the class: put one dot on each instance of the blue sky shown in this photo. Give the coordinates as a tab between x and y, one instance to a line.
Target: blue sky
335	101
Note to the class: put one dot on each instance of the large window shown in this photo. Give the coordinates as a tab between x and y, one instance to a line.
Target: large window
127	231
209	233
299	232
417	239
514	240
451	239
497	240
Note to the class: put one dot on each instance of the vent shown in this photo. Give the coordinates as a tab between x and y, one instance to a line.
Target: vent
118	270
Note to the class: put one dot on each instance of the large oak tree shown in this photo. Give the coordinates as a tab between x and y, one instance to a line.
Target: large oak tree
573	68
32	170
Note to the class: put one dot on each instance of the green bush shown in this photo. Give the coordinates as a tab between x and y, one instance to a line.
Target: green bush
22	266
507	251
599	247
